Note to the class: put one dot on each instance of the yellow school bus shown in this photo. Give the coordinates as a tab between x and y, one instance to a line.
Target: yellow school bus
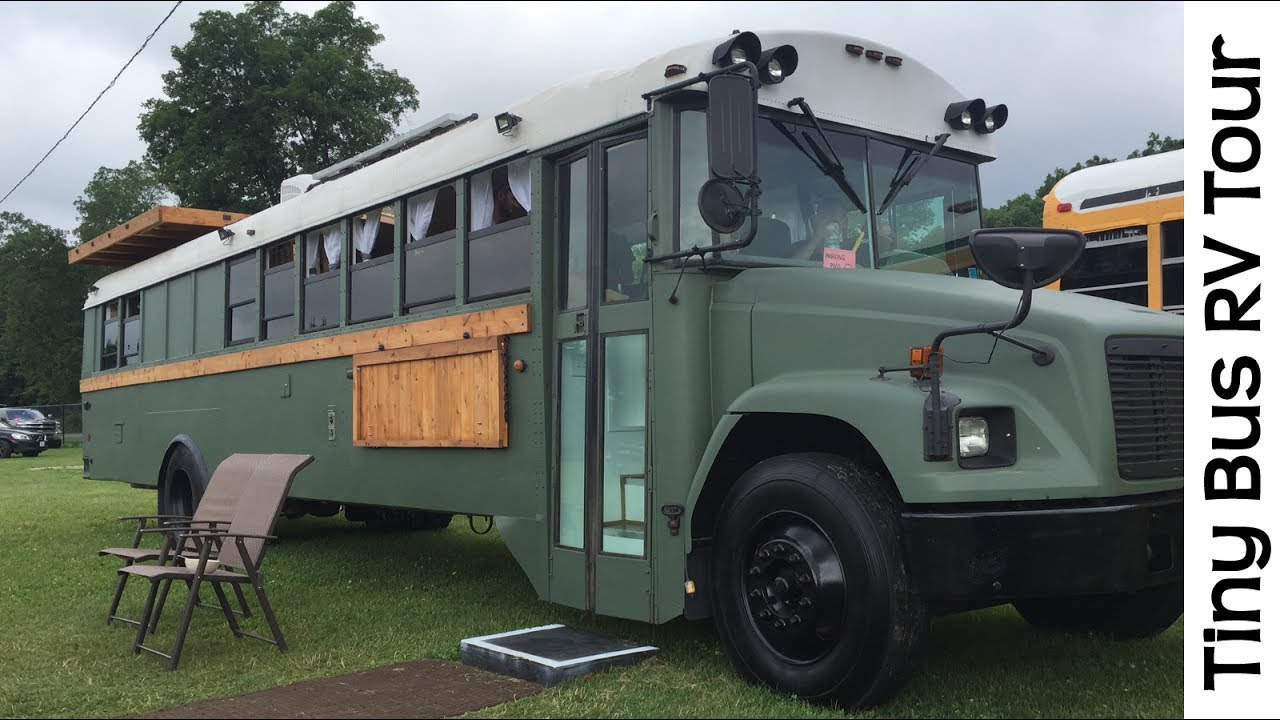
1131	213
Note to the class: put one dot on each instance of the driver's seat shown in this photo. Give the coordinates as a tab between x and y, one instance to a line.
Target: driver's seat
773	239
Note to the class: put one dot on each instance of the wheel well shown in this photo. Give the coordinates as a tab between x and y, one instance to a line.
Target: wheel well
195	455
759	436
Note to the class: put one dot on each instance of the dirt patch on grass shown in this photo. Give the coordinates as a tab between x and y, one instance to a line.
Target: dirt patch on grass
421	689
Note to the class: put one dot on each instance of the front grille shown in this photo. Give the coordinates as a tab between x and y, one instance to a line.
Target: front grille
1145	374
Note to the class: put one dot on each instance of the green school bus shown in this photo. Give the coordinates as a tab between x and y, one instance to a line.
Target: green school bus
679	330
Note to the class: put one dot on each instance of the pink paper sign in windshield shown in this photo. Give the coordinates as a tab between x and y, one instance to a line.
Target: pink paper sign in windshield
837	258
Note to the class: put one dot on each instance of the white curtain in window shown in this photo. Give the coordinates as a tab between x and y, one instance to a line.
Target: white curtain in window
333	244
420	210
521	183
367	234
481	200
313	251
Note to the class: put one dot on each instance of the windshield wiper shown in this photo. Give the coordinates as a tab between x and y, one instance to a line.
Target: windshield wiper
830	165
903	178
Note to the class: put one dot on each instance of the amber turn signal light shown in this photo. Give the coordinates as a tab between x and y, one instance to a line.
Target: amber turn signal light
921	365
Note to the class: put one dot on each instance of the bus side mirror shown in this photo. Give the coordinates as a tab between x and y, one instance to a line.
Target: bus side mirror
731	126
1021	257
731	151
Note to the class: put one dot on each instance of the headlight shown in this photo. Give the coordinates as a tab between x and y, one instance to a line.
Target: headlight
21	436
975	436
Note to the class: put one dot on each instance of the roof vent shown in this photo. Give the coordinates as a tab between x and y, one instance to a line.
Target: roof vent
295	186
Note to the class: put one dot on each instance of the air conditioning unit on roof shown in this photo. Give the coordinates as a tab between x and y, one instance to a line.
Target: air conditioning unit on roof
295	186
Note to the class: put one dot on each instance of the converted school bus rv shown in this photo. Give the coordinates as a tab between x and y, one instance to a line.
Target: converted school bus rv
659	323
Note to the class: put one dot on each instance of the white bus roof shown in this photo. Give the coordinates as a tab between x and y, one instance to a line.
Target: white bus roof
1153	171
906	101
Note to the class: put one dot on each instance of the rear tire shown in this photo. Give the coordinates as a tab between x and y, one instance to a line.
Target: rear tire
1124	616
182	483
811	593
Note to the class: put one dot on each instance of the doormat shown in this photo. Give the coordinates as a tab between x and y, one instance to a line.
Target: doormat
550	654
420	689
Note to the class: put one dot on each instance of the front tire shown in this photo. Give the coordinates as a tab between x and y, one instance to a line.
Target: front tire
6	449
31	454
811	593
1124	616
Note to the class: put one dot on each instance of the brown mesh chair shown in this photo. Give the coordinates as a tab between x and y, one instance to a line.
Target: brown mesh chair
238	560
216	508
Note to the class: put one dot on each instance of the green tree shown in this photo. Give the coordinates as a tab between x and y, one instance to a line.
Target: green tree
114	196
40	310
265	94
1156	145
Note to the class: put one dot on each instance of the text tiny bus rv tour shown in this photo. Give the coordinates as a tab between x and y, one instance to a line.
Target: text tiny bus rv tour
679	328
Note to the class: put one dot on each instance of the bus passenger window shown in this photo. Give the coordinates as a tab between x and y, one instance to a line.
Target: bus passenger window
110	350
320	287
131	348
278	290
372	240
499	242
242	299
500	195
429	259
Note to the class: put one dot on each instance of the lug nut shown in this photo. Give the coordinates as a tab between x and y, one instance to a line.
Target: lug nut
757	594
793	558
805	602
806	578
795	620
779	625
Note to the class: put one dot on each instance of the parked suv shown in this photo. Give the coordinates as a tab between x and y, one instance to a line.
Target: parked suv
27	431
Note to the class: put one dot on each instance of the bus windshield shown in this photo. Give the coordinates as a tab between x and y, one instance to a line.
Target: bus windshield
808	219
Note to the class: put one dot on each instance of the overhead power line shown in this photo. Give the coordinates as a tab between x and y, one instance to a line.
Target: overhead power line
95	102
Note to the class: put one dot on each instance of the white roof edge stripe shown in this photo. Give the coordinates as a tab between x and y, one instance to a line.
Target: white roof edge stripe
918	97
1120	176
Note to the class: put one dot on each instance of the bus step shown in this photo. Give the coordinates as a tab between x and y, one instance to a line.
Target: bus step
550	654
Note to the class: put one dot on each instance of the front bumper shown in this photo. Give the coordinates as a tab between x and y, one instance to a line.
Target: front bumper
997	552
29	446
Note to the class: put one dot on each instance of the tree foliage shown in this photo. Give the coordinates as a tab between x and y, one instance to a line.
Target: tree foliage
1027	210
41	322
114	196
265	94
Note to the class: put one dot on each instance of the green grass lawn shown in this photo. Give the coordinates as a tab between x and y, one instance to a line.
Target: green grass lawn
350	599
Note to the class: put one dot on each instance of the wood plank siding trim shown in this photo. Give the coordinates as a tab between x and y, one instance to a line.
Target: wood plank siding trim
484	323
150	233
402	404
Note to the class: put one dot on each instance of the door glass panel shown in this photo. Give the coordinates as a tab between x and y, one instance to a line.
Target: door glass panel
624	496
627	202
573	430
573	268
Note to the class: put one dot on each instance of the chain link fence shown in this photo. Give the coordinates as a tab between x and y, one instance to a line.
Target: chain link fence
70	416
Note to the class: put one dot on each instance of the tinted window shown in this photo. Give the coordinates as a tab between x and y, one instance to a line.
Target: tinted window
500	263
1171	239
242	280
429	272
573	234
1110	262
626	221
1172	279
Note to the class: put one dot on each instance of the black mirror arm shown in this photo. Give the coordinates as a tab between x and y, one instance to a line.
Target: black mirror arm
753	213
746	67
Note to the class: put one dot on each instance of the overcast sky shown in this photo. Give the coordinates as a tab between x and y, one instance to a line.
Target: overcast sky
1079	78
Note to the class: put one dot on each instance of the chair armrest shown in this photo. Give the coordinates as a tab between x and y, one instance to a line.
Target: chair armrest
221	534
191	523
153	517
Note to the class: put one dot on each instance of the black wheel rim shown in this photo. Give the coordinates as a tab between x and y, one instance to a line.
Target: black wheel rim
793	587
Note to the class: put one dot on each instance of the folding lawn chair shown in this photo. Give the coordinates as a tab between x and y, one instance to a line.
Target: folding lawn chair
238	560
217	506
